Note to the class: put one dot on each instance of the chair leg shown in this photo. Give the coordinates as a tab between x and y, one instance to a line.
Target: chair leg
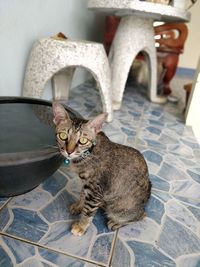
170	62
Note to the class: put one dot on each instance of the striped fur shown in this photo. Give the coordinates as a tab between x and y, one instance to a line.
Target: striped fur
114	177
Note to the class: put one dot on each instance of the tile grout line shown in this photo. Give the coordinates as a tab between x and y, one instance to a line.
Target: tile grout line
139	127
5	204
50	249
190	198
113	248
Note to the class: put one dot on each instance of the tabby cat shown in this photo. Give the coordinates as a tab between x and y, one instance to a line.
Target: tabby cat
114	176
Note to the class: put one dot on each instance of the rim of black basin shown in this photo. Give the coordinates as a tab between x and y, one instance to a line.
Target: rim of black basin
16	158
22	168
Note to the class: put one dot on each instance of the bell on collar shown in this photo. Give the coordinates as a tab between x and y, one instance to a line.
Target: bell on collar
66	162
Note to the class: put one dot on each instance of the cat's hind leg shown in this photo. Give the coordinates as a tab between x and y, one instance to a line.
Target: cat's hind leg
116	221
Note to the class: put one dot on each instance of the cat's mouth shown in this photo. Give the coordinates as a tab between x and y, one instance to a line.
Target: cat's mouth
70	156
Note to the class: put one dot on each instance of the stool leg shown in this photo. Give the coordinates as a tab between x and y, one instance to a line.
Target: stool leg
101	73
61	83
106	96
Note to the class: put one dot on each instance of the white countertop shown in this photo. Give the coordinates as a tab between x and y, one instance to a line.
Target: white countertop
158	12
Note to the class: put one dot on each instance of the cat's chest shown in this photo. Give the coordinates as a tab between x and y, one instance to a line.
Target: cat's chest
83	171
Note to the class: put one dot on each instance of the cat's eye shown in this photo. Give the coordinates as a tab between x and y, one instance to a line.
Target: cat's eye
62	136
83	140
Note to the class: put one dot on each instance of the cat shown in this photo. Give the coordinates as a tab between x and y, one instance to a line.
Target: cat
115	177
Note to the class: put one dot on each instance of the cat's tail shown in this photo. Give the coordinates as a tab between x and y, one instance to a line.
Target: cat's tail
149	190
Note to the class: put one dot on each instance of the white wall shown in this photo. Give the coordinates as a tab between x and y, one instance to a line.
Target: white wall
24	21
192	49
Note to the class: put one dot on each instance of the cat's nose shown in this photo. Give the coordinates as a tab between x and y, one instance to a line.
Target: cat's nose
70	147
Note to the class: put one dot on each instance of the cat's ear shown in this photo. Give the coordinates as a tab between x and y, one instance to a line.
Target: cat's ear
60	114
96	123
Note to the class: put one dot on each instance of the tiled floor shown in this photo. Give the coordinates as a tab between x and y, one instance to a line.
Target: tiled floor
35	227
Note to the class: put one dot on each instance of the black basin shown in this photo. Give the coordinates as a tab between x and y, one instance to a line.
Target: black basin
28	152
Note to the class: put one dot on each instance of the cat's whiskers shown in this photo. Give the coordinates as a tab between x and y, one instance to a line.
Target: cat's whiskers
52	146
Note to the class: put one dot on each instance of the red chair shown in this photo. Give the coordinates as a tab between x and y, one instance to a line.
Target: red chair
172	37
169	41
111	25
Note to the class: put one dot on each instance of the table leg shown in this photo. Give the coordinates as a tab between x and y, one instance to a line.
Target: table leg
134	34
153	88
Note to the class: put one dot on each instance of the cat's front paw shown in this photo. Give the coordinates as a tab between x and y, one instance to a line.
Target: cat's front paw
75	209
77	230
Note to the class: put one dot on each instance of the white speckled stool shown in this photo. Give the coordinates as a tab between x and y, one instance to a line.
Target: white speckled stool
57	59
128	42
